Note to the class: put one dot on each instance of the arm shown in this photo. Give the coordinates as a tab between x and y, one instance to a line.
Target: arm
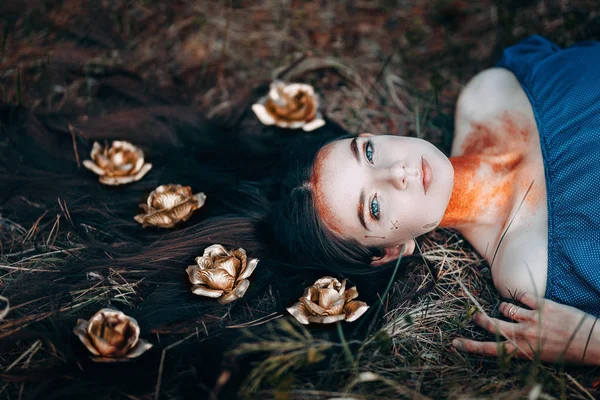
555	331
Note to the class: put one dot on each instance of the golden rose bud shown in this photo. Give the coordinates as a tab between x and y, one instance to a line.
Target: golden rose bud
111	336
293	106
118	164
168	205
221	274
327	301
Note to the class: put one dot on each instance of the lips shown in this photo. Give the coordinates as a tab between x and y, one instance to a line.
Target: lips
427	174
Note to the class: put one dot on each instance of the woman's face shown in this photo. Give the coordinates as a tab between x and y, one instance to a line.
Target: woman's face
382	190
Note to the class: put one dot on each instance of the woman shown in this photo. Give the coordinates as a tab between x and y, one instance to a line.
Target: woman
329	209
521	185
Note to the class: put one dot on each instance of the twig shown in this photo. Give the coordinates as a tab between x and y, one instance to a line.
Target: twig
584	390
571	338
385	293
19	88
587	342
344	343
65	210
54	230
510	223
280	72
32	349
6	309
162	362
25	269
220	78
20	253
262	320
71	129
322	63
31	230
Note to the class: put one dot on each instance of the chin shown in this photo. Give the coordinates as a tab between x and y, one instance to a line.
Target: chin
443	170
443	177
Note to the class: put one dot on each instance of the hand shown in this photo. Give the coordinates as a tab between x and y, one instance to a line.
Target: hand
556	331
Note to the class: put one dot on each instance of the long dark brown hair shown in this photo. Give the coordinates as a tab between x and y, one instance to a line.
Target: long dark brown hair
253	177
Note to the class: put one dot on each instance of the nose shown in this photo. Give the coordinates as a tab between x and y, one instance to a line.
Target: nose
398	174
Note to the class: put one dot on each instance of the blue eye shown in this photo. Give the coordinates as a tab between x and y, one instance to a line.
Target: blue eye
369	151
375	207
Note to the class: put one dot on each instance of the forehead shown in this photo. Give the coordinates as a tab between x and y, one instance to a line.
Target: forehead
336	177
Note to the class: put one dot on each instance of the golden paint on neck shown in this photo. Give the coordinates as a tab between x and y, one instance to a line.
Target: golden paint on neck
483	189
486	176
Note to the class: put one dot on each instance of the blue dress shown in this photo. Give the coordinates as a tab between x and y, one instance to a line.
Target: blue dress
563	87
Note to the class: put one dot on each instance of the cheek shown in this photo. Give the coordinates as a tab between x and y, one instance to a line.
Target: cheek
411	222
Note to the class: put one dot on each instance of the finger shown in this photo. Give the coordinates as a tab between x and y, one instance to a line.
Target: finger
530	300
484	348
495	326
494	349
516	313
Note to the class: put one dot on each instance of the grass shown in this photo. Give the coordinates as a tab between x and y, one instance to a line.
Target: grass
410	356
383	66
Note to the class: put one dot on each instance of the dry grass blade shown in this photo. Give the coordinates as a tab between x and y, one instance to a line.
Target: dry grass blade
401	390
310	64
32	231
71	130
162	362
30	351
259	321
287	347
5	309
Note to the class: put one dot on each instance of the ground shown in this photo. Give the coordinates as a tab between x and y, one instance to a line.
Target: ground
385	66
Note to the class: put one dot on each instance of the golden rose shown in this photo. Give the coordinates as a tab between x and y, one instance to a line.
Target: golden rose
111	336
168	205
221	274
327	301
118	164
293	106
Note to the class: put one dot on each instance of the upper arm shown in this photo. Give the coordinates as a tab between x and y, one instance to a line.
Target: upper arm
521	264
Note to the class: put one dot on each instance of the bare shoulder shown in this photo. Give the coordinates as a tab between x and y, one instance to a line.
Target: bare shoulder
521	262
488	95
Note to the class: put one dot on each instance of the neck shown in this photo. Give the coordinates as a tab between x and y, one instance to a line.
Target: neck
482	190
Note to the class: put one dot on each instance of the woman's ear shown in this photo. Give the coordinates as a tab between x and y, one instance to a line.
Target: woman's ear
393	253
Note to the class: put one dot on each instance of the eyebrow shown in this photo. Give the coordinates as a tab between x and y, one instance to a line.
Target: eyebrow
361	210
361	201
354	148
